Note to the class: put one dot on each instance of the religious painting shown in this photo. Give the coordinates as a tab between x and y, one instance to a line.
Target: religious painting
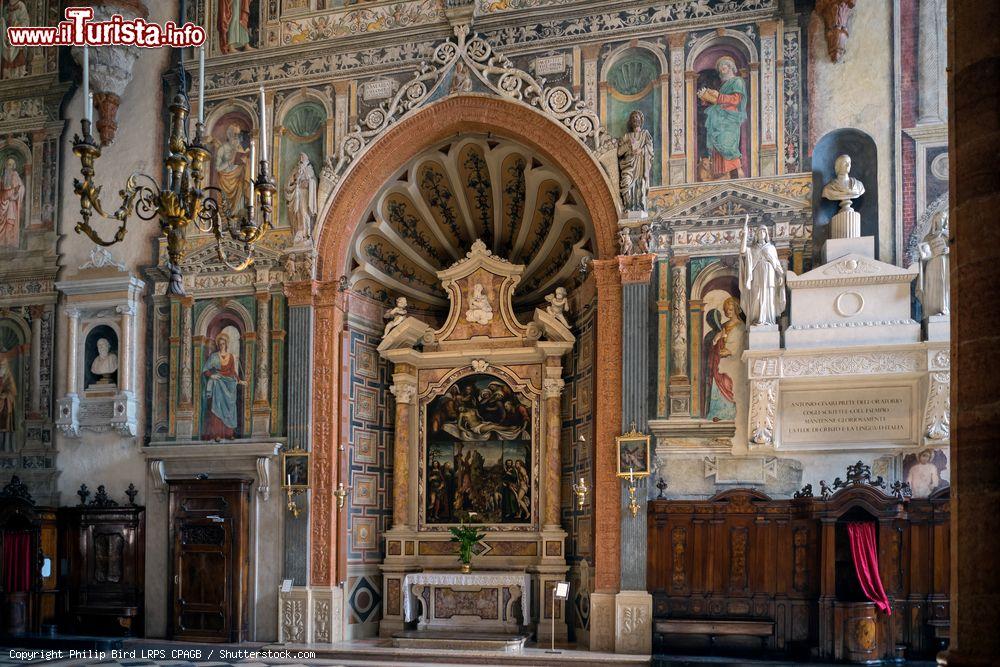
295	469
231	162
924	471
236	25
479	454
633	454
14	60
13	351
100	358
301	160
722	371
223	383
723	134
634	85
12	198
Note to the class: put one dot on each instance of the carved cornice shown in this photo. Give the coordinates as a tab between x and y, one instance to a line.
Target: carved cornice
636	268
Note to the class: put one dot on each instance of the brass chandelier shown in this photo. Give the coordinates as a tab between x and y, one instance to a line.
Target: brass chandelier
183	199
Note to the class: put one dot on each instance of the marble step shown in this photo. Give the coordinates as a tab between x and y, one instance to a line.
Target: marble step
460	641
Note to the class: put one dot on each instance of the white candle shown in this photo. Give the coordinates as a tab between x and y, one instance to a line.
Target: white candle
86	83
263	126
253	168
289	480
90	107
201	84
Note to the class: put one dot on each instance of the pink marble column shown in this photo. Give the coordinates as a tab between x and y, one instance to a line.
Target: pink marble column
404	388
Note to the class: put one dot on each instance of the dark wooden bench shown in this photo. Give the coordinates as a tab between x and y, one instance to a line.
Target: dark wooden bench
713	628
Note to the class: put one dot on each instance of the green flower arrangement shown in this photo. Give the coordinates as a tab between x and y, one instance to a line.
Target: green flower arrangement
468	537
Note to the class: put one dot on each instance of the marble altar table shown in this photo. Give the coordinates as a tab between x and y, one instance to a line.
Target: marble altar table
482	601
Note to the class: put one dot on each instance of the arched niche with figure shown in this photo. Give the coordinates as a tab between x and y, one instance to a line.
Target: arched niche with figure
635	80
100	358
222	376
231	130
305	123
15	182
864	167
14	383
723	108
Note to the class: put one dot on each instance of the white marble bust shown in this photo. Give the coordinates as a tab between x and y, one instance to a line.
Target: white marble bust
843	187
106	362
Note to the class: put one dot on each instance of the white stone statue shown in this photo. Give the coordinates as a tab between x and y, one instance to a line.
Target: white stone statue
300	196
843	187
106	361
558	305
625	245
395	315
762	278
635	164
933	288
480	311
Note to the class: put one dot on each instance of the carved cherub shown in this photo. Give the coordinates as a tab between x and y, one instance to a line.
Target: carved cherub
625	242
395	315
645	240
558	306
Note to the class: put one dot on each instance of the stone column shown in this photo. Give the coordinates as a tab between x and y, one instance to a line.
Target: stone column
975	274
299	374
72	374
125	364
261	425
185	401
590	53
633	605
552	388
680	382
677	169
606	494
404	388
35	401
932	51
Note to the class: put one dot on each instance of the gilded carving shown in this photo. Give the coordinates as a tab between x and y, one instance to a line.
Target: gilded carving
678	545
738	555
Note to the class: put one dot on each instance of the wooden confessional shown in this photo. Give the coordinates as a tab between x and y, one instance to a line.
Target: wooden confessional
27	572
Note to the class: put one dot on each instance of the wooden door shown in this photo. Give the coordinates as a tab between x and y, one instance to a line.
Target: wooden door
209	559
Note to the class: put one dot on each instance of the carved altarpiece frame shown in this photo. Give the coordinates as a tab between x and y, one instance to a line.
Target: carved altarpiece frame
427	362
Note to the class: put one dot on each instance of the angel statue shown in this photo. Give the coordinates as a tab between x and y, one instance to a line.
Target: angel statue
558	305
395	315
934	285
762	278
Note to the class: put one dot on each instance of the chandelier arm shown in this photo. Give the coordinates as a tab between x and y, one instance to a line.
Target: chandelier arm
221	253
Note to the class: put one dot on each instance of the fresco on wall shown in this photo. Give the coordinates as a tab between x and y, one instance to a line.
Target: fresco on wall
222	401
633	85
12	195
924	471
231	163
236	25
14	60
478	453
722	374
12	352
722	115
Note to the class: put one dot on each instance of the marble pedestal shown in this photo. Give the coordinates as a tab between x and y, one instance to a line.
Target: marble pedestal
937	327
846	224
837	248
634	622
311	615
764	337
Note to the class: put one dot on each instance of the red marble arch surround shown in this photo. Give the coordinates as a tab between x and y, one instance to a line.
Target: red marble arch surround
449	117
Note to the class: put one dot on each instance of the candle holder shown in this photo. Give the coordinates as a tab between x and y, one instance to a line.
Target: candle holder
580	490
633	463
293	507
341	494
181	201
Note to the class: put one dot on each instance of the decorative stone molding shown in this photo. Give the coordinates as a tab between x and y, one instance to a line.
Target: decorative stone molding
633	619
186	461
553	387
405	392
678	316
636	269
763	408
937	410
836	15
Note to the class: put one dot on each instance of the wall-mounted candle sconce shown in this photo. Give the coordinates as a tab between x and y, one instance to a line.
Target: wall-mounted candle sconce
341	492
633	463
295	477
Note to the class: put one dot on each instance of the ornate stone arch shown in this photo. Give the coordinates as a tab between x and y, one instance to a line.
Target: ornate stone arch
707	275
618	52
733	37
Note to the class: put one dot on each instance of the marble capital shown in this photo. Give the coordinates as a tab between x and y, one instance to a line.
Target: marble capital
636	268
301	293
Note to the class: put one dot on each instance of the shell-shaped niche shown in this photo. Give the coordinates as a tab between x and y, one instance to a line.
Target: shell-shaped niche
523	207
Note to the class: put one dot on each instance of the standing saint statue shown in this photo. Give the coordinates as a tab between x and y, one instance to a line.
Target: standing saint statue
300	197
724	118
11	201
934	286
635	164
762	278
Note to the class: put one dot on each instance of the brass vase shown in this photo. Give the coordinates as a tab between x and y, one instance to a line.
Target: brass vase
466	568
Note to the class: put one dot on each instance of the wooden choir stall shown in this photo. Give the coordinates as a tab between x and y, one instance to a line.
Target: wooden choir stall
27	574
741	570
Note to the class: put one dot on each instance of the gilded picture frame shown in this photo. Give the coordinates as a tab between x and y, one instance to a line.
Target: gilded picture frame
295	469
633	454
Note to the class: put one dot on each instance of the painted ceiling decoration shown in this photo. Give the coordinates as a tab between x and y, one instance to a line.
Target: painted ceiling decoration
471	188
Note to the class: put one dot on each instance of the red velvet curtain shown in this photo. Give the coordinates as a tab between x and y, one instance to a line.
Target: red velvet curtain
864	551
17	561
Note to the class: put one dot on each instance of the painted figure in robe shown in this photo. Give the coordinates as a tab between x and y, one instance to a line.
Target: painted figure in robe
220	413
724	118
231	168
723	349
11	201
234	25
